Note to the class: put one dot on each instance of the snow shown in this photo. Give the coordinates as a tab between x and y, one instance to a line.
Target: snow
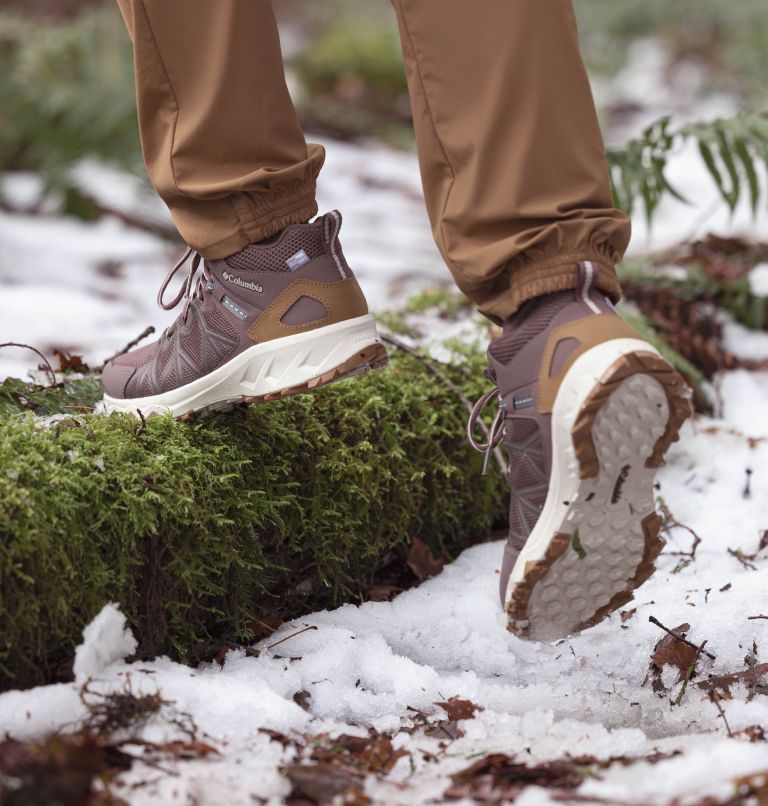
743	342
106	640
745	395
758	280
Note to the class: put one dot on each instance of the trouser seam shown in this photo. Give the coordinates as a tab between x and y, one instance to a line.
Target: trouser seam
428	107
167	75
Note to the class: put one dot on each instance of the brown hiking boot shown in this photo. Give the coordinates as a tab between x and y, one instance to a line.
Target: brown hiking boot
280	317
587	411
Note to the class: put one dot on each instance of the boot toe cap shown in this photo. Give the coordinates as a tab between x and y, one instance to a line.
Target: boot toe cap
115	378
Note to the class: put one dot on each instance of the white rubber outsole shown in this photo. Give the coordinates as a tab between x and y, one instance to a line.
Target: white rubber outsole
272	369
596	538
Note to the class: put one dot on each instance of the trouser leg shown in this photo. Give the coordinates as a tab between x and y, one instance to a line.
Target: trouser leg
512	159
220	136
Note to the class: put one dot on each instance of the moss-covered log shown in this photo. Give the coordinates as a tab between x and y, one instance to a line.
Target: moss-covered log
198	530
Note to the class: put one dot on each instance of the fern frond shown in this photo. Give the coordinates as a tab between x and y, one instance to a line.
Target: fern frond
730	148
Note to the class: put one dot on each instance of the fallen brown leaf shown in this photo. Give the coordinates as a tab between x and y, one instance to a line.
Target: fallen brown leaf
421	561
671	652
302	699
383	593
754	678
498	777
321	783
70	362
457	708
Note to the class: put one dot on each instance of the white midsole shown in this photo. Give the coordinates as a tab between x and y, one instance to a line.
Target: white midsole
263	369
565	481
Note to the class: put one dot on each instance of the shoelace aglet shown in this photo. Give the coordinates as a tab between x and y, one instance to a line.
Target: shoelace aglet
487	460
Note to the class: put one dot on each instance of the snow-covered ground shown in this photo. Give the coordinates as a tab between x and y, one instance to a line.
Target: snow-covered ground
375	666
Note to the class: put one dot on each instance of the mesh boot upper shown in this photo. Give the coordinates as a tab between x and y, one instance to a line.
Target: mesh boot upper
275	253
533	318
528	477
228	298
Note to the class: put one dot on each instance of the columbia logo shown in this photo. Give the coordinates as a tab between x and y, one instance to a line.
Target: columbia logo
235	280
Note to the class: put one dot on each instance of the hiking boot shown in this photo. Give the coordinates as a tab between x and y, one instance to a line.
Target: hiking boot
587	409
278	318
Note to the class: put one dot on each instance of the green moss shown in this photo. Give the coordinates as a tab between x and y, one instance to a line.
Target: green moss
195	529
17	396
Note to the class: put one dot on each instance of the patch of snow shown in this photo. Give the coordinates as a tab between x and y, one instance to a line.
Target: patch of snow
758	280
654	83
745	397
21	189
120	191
742	341
106	641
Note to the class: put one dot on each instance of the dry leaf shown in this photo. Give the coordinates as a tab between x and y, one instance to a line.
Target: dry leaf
383	593
421	561
321	783
754	678
302	699
459	709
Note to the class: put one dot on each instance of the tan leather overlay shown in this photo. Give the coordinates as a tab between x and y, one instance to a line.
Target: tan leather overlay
343	300
589	332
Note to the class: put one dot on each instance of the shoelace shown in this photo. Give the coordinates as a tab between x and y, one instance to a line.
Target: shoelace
185	292
495	434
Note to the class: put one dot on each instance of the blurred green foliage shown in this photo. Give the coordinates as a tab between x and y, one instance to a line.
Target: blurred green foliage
728	37
730	148
353	82
66	91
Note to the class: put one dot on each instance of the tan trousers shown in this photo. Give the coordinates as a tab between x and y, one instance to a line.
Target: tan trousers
511	155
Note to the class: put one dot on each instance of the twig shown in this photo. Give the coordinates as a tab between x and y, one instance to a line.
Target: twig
143	335
744	559
671	521
719	707
292	635
47	363
754	618
747	491
682	640
401	345
143	427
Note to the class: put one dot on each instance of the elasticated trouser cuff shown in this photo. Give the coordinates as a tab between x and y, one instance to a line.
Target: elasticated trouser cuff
253	222
545	277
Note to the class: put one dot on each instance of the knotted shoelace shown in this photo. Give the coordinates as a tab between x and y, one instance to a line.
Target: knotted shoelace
188	290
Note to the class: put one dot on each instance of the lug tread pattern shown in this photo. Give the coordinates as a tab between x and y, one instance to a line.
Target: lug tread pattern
607	541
